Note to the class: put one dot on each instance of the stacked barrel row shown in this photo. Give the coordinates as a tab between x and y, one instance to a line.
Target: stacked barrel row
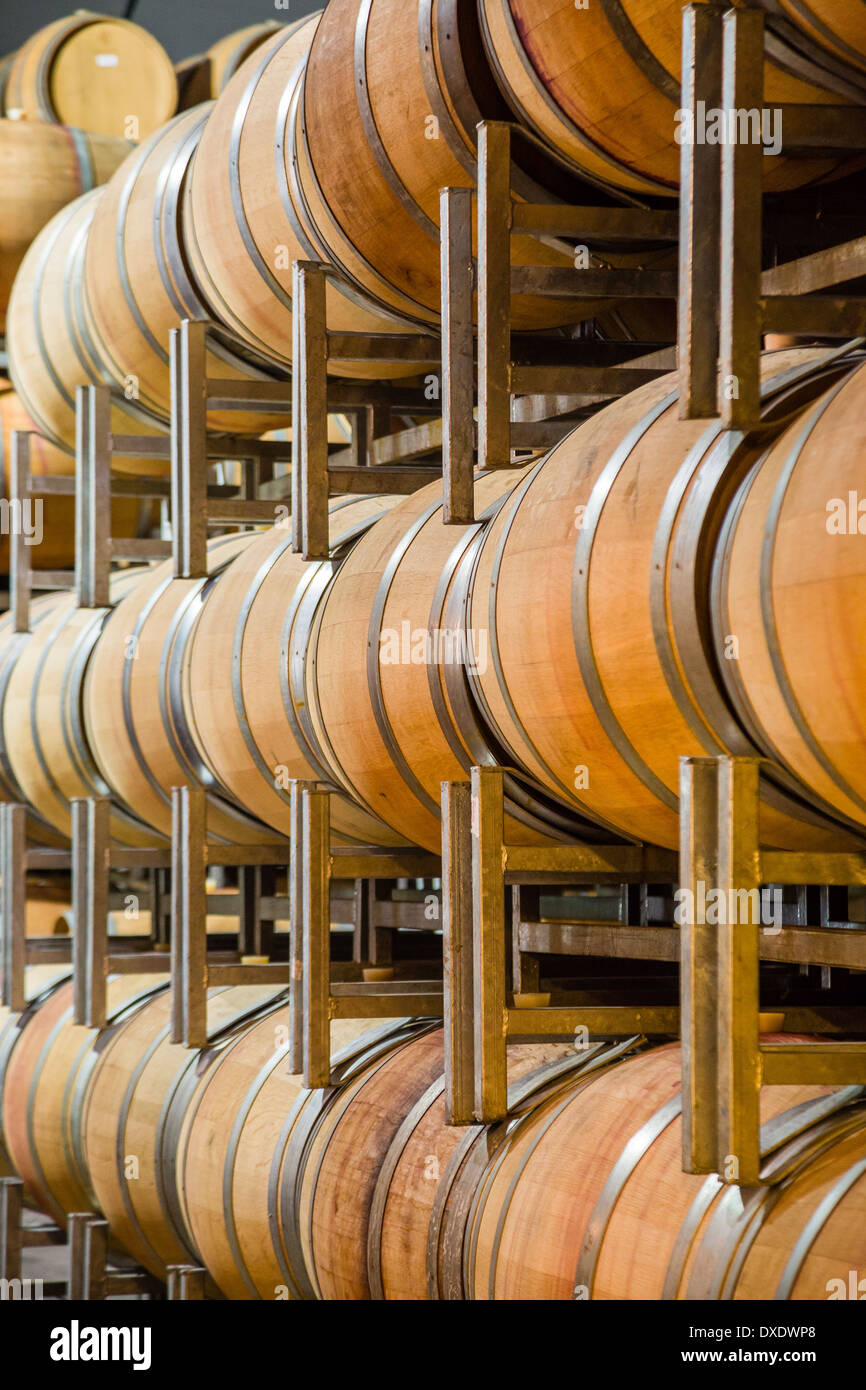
331	142
363	1191
653	588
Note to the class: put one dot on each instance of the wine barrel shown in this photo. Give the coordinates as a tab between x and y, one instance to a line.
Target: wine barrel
251	1117
248	705
39	981
136	286
617	527
50	349
52	520
244	223
373	195
97	72
601	84
135	707
384	671
45	1078
42	168
790	587
375	1158
586	1198
43	735
138	1092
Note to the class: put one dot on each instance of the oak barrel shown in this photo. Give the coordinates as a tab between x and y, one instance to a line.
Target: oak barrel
373	1166
44	738
45	1078
51	351
599	677
586	1198
790	589
140	1088
250	712
601	84
244	221
135	705
97	72
373	195
250	1118
39	981
136	286
42	168
385	668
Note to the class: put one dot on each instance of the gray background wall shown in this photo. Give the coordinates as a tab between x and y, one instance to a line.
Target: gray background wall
183	27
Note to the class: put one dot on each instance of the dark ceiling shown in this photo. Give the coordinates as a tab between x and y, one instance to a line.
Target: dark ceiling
184	27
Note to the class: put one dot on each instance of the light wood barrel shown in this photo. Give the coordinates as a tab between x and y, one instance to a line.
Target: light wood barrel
617	528
136	286
790	590
43	168
43	735
249	712
372	1168
54	521
373	196
385	668
140	1087
12	644
96	72
601	84
135	703
50	349
251	1116
244	222
45	1079
39	981
586	1197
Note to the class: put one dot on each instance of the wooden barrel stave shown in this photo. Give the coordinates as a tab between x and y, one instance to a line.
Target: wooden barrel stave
230	53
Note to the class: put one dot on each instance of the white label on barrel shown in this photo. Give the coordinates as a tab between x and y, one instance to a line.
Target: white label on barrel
107	60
